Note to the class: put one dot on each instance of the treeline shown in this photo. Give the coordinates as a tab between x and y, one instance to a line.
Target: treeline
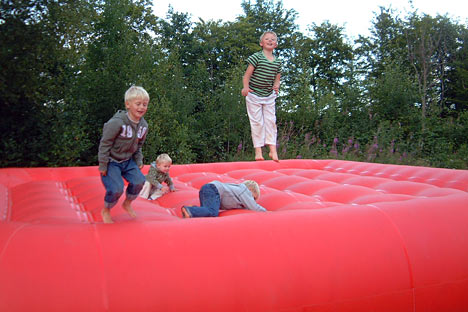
399	95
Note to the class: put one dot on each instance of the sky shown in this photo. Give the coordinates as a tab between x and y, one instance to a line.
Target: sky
354	16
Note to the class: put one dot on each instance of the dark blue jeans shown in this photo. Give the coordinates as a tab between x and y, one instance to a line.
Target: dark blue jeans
114	183
210	202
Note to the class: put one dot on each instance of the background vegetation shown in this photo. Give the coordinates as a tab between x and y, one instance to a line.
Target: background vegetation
397	96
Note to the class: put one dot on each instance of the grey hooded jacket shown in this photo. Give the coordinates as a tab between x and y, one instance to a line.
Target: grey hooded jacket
235	196
121	140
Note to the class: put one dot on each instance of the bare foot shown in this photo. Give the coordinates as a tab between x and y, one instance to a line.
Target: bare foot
258	154
106	216
128	208
274	156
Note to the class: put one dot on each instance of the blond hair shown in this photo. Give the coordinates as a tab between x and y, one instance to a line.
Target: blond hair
163	158
136	92
268	32
253	187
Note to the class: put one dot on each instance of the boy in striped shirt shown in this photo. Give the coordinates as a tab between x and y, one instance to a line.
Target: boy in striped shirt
261	85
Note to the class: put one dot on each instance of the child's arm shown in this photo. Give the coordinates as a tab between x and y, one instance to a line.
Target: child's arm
110	131
152	177
276	83
138	155
249	202
252	205
259	208
248	73
170	184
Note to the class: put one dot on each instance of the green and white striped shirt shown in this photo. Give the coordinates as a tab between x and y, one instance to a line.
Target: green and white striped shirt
263	77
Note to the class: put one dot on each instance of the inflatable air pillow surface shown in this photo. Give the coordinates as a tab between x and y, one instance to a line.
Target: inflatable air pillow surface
339	236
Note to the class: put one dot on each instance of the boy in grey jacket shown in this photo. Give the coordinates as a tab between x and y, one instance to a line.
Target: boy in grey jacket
120	152
217	195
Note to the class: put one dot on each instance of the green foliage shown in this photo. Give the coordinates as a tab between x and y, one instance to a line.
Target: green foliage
397	96
167	135
35	63
394	93
230	118
457	76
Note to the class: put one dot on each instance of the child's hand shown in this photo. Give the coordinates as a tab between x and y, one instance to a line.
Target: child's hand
173	190
165	189
276	88
245	91
103	172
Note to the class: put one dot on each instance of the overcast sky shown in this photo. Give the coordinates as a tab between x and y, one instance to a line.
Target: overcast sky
355	16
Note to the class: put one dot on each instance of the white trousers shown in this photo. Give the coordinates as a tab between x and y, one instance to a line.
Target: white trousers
150	192
262	116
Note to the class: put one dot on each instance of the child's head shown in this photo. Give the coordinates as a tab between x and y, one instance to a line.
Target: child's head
136	92
269	39
253	187
163	163
136	102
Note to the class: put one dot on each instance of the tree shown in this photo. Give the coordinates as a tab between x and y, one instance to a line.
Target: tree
394	95
423	42
40	43
386	44
119	54
268	15
329	58
456	92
